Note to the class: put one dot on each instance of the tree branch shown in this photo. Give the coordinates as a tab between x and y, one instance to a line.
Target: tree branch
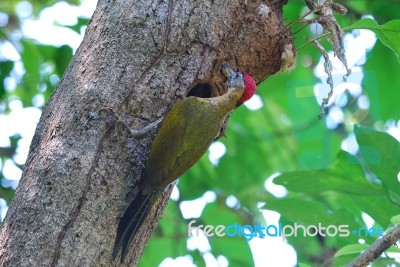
377	248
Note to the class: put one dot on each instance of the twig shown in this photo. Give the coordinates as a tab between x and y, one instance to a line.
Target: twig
289	25
306	24
313	40
376	249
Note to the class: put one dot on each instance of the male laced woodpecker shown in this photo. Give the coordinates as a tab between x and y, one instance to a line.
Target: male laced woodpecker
184	135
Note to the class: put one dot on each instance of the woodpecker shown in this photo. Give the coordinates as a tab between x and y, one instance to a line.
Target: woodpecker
184	135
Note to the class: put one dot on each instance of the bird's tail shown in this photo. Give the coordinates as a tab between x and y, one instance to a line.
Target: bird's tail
130	223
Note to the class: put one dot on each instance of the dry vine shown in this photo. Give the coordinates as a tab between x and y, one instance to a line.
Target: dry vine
324	10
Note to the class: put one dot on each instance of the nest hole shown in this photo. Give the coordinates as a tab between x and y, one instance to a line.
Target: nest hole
203	90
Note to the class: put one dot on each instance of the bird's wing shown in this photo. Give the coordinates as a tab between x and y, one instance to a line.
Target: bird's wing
184	136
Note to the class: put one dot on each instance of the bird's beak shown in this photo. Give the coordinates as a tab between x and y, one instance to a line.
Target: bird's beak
228	71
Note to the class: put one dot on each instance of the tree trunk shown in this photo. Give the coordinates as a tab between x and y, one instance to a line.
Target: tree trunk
137	57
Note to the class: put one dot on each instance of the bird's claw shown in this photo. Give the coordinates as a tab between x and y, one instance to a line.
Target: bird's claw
108	111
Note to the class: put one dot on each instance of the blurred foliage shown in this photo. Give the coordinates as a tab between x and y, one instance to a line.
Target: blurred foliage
324	183
9	6
388	33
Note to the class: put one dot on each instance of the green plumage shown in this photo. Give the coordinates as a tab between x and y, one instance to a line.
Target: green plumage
185	135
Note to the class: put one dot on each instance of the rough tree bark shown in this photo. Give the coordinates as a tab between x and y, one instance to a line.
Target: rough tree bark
137	57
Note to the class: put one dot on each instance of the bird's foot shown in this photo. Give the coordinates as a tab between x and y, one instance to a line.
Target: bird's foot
146	132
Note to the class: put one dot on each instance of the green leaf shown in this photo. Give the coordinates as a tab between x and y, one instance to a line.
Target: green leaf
377	80
169	238
379	262
159	249
297	210
5	69
200	178
345	176
351	249
388	33
395	219
393	249
31	58
198	258
62	59
381	12
381	153
236	249
380	208
319	181
6	193
77	27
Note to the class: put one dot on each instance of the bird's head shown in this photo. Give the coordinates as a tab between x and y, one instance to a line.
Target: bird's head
239	79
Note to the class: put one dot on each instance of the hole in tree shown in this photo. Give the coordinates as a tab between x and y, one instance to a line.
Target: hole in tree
203	90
